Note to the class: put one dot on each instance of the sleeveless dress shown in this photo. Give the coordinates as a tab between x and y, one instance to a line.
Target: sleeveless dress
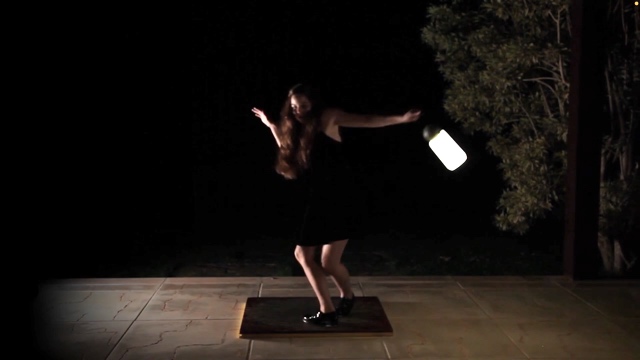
334	203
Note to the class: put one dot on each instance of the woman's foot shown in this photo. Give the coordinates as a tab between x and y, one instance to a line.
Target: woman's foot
322	319
345	305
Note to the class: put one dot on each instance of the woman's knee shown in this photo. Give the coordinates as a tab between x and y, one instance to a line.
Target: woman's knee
329	266
303	256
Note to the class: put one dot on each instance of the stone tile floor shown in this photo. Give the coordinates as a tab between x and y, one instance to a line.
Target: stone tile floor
446	317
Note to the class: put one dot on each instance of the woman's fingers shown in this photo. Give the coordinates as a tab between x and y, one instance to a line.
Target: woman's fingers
257	112
260	114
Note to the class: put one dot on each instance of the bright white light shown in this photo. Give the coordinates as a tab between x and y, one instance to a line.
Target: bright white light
447	150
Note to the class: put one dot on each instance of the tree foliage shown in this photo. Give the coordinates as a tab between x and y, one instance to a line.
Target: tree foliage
619	178
506	67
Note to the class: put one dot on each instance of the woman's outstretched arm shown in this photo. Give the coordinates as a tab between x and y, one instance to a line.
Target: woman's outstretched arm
343	118
274	129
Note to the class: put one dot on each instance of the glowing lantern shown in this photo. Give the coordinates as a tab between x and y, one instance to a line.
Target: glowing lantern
445	148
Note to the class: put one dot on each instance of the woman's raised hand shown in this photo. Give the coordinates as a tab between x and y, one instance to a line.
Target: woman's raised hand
260	114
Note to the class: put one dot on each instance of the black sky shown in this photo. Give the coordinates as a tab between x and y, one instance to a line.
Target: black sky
163	139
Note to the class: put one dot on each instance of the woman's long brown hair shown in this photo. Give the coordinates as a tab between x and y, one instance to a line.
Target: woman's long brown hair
296	137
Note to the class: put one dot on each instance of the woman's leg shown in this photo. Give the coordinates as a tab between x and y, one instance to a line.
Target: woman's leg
316	276
331	259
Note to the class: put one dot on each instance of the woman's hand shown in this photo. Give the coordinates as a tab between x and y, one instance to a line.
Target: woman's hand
260	114
274	129
411	115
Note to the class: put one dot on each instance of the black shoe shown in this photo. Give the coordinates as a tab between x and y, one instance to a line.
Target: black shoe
345	305
322	319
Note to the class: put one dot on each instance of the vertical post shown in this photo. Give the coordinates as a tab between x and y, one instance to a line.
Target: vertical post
586	112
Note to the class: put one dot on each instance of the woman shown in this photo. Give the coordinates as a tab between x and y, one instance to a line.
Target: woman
309	139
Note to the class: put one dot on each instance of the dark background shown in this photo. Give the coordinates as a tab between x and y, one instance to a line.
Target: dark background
157	143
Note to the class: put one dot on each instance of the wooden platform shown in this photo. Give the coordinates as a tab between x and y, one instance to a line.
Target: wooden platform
269	317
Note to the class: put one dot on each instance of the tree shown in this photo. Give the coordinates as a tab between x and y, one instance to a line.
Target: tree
506	68
619	233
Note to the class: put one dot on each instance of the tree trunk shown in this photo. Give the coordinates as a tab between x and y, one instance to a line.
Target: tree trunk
614	260
619	262
606	252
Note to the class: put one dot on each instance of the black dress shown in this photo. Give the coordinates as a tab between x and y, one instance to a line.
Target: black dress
334	204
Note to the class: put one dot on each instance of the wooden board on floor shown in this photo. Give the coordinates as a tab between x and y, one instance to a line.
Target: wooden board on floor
269	317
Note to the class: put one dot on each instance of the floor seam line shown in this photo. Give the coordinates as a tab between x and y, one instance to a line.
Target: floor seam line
136	318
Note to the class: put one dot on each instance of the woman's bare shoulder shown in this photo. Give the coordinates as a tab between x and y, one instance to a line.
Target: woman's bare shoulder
329	115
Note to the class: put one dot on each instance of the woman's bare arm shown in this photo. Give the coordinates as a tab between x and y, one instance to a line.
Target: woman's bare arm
343	118
274	129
